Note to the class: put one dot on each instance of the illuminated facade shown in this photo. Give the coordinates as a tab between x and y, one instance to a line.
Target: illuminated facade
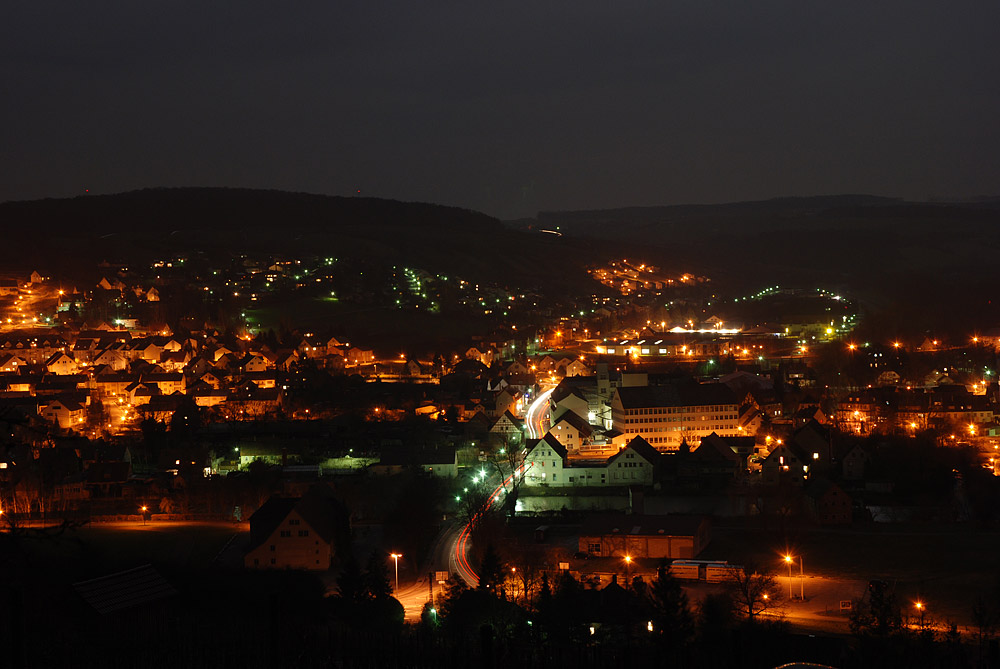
667	415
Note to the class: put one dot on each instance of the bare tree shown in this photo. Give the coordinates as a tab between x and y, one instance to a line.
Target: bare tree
509	462
754	590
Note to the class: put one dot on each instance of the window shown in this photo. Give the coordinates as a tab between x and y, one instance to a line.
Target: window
286	533
594	548
294	521
273	561
272	548
303	533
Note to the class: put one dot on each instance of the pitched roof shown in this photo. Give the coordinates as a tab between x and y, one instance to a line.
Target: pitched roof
583	427
125	589
675	395
642	447
549	441
317	508
714	447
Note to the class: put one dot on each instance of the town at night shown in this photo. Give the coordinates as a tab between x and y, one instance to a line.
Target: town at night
649	336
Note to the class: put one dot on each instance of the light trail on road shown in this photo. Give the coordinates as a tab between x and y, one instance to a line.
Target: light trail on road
536	413
465	570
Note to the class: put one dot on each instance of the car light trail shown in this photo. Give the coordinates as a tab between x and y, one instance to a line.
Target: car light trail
467	573
535	414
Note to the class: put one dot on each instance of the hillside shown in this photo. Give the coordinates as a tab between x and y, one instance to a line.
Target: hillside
143	225
928	264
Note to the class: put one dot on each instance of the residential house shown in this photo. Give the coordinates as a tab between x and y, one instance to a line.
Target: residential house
67	414
854	463
572	431
828	503
61	364
786	462
294	533
10	363
509	428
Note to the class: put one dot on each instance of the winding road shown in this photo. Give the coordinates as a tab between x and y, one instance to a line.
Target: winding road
451	548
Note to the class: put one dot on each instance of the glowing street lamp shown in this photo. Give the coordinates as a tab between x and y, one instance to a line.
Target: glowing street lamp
395	557
628	565
921	608
788	561
143	510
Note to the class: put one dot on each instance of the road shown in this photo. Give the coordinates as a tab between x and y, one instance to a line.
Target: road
537	415
451	548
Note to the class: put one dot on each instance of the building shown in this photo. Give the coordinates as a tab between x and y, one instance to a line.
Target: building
828	503
294	532
670	414
572	431
549	464
642	536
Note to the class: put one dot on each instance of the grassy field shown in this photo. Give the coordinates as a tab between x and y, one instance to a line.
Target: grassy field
97	550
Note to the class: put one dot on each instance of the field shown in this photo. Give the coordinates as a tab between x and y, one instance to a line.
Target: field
97	550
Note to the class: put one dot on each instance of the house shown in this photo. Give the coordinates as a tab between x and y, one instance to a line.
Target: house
786	462
577	368
114	357
549	464
828	503
440	462
545	459
253	363
65	413
110	284
509	427
572	431
855	462
717	457
153	295
568	398
294	532
644	536
360	356
61	364
473	353
507	399
516	367
636	464
9	363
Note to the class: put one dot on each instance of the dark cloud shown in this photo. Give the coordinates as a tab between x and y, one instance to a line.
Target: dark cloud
508	108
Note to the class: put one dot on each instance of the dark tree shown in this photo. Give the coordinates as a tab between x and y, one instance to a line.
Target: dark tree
491	571
672	619
376	578
877	613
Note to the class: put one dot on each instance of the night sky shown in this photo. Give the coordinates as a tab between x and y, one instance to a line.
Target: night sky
505	107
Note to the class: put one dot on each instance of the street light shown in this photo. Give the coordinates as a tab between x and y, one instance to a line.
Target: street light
921	608
395	557
143	509
628	564
788	561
